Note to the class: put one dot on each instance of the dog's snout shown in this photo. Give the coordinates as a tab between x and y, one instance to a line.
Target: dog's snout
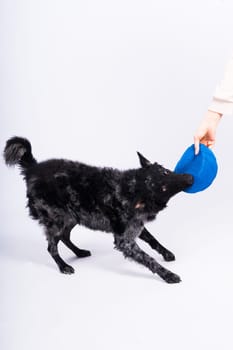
190	179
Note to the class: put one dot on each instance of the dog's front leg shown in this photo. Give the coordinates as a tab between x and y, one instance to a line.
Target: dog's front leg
131	250
117	224
147	237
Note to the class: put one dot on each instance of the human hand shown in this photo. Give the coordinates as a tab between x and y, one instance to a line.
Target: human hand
207	130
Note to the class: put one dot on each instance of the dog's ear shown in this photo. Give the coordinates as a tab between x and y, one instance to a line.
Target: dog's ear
143	161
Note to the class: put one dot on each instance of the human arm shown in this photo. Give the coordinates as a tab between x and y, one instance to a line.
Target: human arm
222	103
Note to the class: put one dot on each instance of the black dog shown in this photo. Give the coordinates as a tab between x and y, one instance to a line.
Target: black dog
63	193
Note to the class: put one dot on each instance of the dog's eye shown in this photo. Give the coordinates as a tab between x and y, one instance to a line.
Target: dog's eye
164	188
165	172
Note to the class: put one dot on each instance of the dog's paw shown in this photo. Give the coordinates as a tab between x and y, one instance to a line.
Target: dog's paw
170	277
168	256
82	253
67	269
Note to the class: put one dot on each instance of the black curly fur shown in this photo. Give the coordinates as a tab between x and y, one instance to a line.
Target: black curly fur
62	193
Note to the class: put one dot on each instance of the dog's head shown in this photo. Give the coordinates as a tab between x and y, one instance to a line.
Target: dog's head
162	183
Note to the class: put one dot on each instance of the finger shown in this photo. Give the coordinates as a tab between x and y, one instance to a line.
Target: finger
196	145
210	144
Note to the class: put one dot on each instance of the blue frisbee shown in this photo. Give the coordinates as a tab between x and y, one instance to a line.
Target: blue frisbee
203	167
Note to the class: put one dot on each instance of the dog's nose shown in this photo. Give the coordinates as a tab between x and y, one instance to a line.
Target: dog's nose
190	179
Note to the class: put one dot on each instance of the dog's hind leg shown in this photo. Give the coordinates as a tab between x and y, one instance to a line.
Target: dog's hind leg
53	220
148	238
131	250
80	253
53	251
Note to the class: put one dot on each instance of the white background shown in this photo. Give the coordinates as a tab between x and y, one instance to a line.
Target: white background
96	81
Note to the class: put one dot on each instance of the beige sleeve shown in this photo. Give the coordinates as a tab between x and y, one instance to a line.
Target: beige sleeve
222	101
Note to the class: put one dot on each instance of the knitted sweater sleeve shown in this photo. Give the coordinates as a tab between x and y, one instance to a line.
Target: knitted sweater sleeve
222	101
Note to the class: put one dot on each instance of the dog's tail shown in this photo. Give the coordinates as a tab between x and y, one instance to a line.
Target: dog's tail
19	151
